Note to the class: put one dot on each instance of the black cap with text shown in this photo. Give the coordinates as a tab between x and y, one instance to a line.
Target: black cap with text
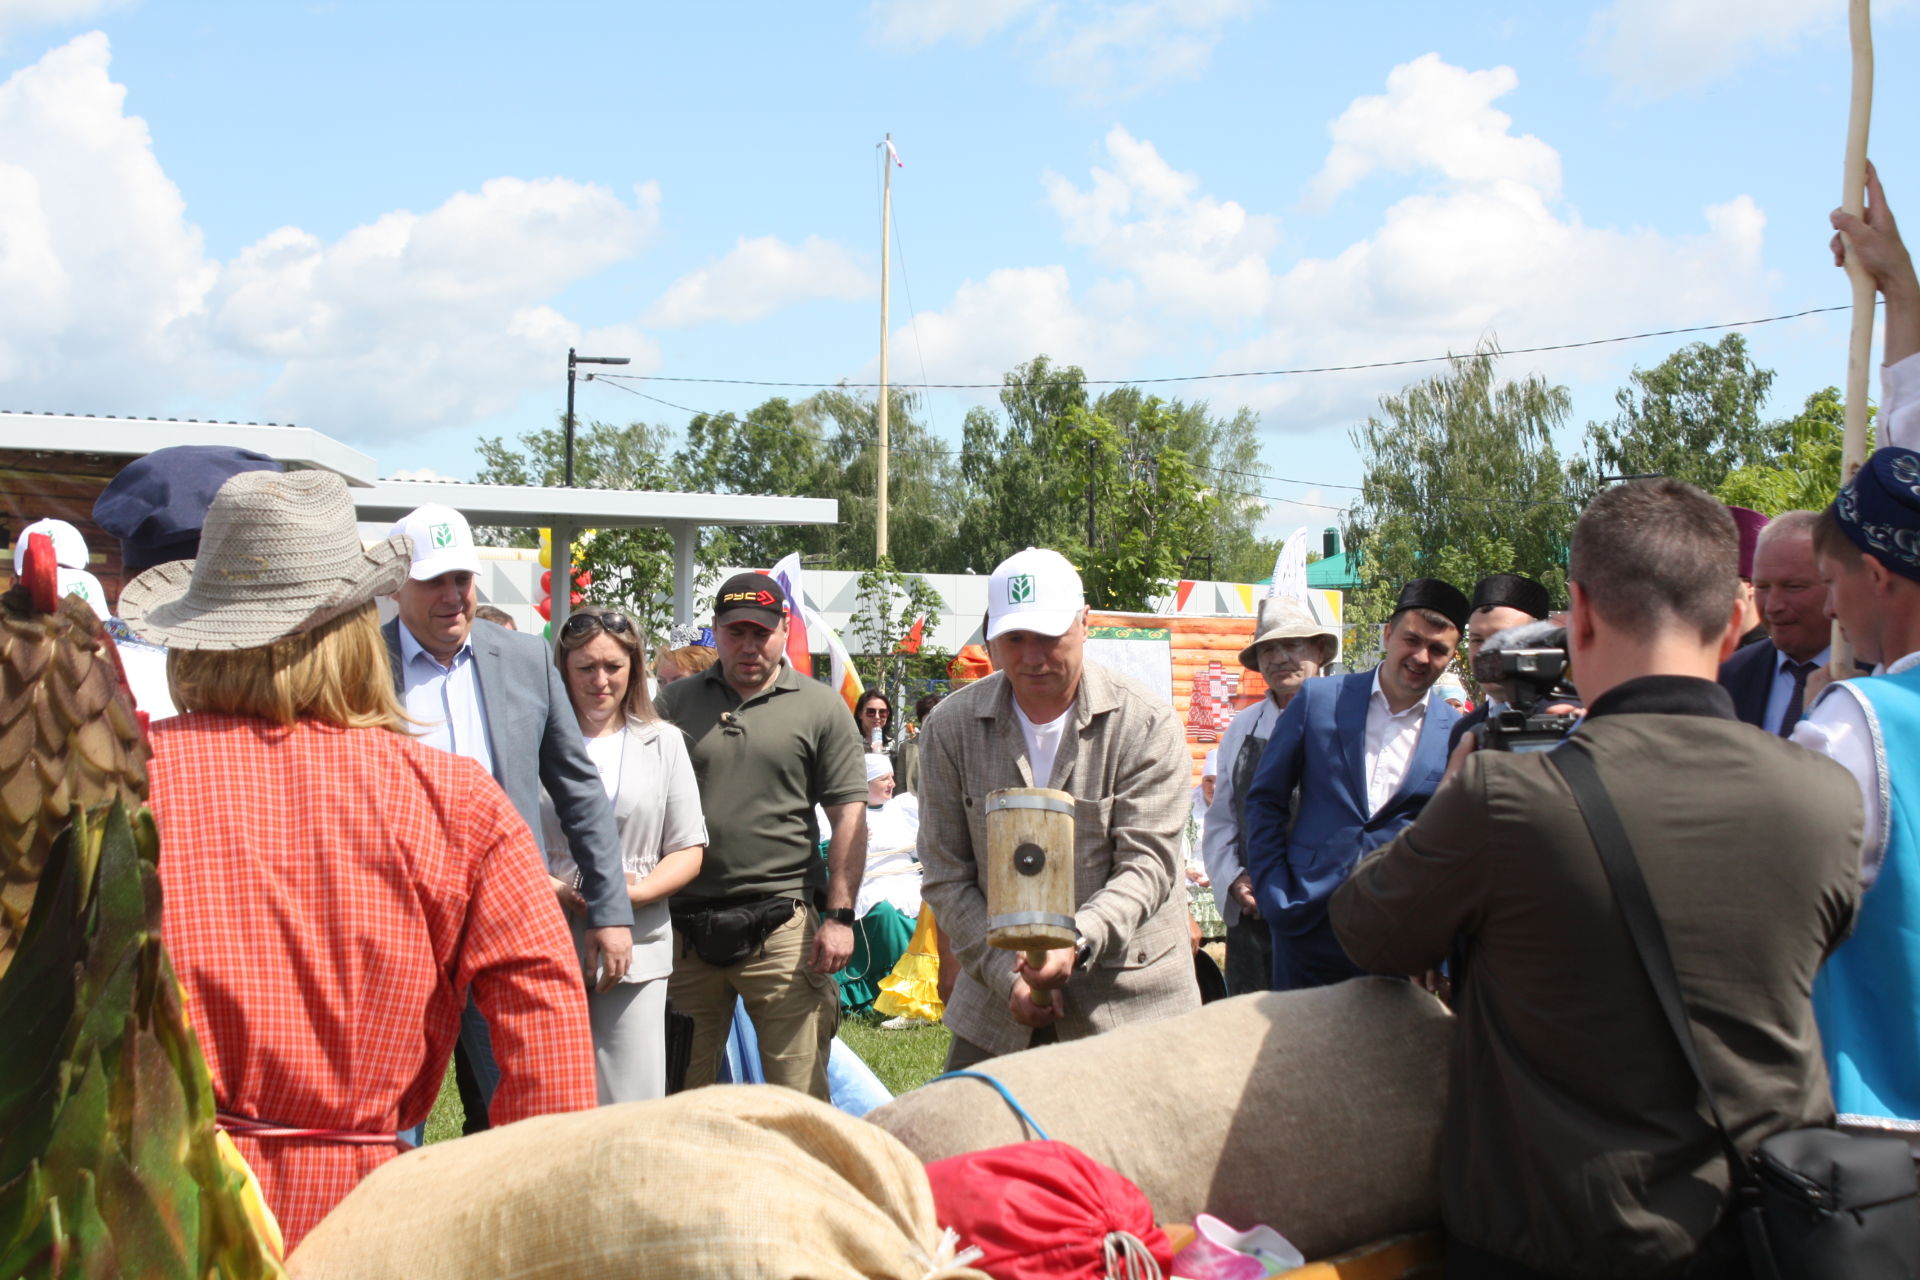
750	597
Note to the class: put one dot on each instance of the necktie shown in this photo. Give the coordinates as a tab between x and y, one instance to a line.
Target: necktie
1798	701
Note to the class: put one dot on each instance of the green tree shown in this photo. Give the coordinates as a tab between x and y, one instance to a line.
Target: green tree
1695	416
922	500
632	568
773	448
1805	474
888	602
1462	480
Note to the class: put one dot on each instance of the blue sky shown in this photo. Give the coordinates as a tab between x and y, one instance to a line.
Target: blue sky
389	221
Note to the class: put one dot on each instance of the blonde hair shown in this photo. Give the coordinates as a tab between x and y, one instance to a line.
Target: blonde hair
338	673
639	705
692	659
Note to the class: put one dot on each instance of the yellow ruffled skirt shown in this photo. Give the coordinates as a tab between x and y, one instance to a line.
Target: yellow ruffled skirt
912	990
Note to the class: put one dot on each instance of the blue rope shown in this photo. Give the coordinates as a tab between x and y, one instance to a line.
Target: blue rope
1000	1089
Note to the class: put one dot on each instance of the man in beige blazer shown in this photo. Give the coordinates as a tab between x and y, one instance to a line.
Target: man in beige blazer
1047	717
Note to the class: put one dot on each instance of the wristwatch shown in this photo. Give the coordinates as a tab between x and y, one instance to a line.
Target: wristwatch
839	915
1082	953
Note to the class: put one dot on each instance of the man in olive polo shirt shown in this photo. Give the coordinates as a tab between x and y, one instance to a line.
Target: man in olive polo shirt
768	744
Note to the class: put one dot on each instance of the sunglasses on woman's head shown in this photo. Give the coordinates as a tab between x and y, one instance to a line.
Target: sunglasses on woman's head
578	624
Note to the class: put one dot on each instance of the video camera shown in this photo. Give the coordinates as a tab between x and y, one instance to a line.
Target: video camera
1530	663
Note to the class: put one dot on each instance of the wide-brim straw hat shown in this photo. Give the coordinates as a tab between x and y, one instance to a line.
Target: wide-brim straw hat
279	556
1284	618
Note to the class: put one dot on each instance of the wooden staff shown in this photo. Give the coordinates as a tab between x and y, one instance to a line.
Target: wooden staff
1853	181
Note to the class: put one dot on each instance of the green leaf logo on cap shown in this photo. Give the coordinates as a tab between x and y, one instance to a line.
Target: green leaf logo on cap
442	535
1020	588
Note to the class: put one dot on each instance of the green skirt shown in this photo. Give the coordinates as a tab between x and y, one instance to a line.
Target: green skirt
880	938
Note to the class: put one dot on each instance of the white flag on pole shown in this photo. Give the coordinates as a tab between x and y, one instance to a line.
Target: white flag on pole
1290	568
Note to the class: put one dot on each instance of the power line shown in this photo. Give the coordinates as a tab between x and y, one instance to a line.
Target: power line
1257	373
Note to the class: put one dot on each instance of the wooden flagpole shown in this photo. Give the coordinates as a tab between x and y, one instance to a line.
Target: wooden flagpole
1860	345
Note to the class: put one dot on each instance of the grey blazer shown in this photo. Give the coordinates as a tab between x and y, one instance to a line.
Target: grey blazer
1123	758
536	743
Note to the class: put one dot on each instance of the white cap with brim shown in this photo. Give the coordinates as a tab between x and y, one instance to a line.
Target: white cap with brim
1034	590
69	548
442	542
280	554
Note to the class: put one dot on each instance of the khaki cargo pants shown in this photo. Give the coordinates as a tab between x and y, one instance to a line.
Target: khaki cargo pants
794	1010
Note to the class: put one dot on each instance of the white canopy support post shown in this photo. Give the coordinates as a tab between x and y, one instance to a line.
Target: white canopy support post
686	538
561	588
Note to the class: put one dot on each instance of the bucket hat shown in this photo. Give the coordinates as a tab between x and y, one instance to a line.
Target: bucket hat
1283	618
279	555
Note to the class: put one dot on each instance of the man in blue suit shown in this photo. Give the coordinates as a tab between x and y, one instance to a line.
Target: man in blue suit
1352	761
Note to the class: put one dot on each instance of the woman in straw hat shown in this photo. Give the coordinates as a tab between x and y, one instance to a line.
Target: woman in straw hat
332	886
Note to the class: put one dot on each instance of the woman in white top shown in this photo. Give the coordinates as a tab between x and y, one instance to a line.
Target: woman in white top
656	805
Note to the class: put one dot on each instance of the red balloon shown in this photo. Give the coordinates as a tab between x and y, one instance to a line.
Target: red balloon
544	608
546	583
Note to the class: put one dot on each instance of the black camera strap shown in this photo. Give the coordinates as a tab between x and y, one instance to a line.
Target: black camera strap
1643	921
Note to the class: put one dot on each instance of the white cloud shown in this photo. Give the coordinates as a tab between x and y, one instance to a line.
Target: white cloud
1017	313
19	15
758	277
1192	254
914	24
1103	51
1482	244
1439	117
1658	47
409	321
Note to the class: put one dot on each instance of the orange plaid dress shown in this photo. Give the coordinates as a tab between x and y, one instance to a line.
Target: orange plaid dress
330	895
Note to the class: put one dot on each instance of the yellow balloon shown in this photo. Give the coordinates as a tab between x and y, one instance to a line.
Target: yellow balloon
546	555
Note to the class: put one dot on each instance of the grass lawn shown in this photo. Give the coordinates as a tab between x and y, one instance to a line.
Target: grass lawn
902	1059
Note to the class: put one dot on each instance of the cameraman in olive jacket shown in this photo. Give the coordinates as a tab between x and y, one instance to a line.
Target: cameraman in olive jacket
1575	1142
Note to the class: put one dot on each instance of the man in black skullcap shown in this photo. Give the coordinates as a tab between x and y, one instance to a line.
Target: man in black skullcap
1500	601
1352	760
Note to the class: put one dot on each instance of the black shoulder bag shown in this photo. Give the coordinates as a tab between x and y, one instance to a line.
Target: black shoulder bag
1814	1204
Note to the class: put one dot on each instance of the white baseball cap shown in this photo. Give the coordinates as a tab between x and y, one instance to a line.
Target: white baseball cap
442	542
69	548
1034	590
78	582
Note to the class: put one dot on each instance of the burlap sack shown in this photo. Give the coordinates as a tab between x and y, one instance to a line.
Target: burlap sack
1315	1112
752	1181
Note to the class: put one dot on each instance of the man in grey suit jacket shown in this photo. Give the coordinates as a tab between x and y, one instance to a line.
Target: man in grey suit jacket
1047	718
494	695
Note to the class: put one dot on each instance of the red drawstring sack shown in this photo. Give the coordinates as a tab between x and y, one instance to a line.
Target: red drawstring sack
1045	1210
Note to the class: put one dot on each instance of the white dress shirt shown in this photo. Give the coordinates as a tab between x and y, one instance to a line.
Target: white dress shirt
446	700
1780	692
1840	728
1899	420
1391	737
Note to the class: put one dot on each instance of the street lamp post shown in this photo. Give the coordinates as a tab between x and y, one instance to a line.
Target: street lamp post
573	360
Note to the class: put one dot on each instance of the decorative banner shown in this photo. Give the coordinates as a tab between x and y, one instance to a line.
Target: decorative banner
842	675
799	651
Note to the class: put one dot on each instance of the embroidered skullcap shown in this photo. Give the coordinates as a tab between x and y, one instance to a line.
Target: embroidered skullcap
1442	597
1511	591
1879	510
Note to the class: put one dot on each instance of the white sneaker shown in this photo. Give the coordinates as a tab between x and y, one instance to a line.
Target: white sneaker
904	1023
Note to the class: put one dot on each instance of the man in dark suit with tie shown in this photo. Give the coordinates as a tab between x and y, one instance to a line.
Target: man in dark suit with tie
1768	680
495	696
1351	762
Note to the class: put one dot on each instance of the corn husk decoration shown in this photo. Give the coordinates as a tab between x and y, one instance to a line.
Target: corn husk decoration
109	1161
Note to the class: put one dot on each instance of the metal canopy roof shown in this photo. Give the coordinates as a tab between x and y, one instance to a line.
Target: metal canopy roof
532	505
134	437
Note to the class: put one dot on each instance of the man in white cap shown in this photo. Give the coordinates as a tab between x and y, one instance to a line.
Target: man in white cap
1046	717
70	551
1288	649
495	696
